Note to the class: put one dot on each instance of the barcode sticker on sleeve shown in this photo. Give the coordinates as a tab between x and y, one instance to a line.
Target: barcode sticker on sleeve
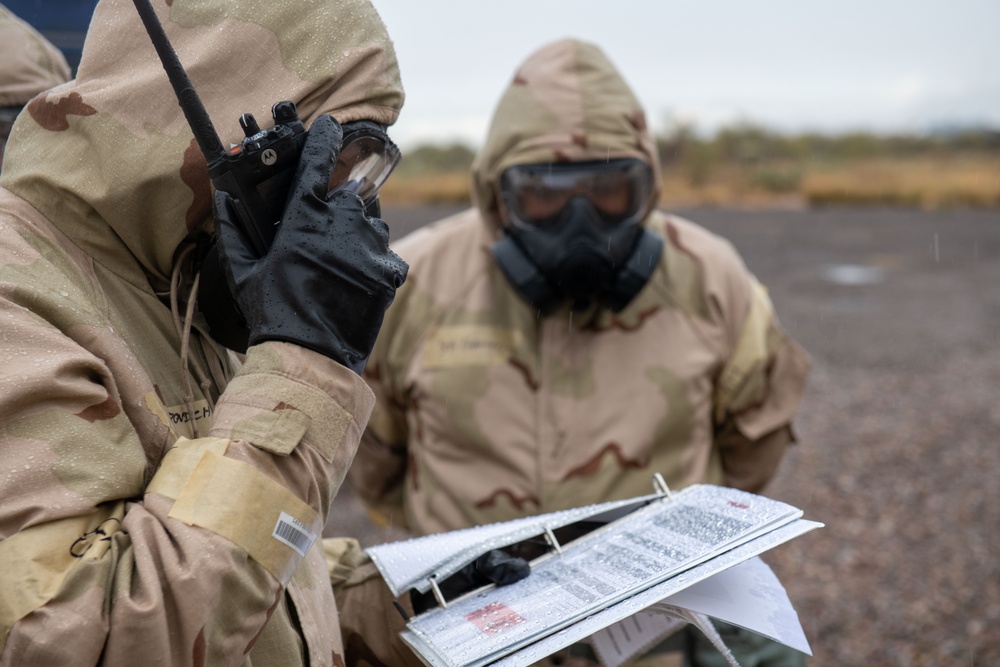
294	533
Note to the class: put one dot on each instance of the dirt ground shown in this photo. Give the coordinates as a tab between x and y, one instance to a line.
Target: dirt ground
898	451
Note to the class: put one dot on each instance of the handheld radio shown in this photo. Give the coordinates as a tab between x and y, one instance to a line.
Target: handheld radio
258	172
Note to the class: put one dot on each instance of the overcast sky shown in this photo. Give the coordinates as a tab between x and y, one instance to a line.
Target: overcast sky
882	65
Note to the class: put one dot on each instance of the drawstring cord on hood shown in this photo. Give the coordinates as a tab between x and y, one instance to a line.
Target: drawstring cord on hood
212	357
183	330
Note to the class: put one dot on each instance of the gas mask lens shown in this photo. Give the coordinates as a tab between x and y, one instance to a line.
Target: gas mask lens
538	194
367	158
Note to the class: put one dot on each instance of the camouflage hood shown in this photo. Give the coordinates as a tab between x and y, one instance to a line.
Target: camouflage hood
109	157
30	62
567	102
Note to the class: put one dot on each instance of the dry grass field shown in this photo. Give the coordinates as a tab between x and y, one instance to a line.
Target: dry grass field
926	182
749	167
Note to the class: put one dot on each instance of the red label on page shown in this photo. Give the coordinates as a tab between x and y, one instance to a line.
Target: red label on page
494	618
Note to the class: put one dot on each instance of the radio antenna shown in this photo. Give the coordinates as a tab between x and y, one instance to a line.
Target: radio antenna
190	103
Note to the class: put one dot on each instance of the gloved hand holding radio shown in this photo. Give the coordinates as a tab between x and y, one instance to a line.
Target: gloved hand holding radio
329	275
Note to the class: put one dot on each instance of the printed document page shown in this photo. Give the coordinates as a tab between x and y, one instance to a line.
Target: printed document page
646	600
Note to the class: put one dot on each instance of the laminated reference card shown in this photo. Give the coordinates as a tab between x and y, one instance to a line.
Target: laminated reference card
639	571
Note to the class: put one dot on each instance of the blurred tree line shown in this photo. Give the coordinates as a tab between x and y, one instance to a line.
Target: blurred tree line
778	162
748	143
435	158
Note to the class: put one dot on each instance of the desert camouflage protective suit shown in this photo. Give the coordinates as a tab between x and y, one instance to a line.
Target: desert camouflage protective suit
138	501
29	64
486	412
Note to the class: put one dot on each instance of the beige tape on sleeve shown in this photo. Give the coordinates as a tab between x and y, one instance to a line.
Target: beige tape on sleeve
180	462
237	501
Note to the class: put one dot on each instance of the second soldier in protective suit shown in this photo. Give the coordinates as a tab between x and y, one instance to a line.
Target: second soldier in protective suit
31	64
563	341
157	504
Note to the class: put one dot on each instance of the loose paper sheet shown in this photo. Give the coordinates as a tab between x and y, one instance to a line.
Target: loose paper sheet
747	595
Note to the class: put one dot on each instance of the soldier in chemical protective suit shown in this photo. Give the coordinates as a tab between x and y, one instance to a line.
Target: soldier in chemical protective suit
159	505
31	64
563	341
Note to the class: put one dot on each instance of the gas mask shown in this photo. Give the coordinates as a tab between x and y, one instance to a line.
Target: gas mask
366	160
574	233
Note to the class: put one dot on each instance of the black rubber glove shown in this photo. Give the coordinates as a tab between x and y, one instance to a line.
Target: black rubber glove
493	567
329	275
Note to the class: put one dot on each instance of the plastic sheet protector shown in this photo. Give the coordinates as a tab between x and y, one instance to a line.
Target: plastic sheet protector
631	563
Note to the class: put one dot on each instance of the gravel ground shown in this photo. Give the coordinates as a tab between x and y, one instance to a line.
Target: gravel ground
898	451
